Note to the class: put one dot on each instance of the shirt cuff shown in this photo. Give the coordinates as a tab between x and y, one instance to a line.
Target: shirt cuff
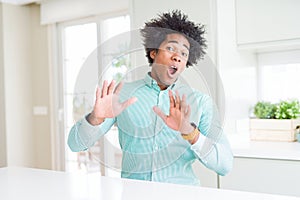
86	127
199	143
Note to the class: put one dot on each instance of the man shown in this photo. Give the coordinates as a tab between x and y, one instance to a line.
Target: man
164	125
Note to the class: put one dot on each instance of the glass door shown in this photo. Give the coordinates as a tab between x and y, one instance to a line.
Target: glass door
82	68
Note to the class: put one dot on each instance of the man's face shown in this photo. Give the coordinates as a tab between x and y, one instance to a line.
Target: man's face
170	59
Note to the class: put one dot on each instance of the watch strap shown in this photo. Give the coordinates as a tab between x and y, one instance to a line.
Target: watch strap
192	134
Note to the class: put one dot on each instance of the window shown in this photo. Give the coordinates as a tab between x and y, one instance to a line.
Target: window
280	82
79	41
279	75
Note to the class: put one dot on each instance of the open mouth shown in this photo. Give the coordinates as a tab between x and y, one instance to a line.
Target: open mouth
172	70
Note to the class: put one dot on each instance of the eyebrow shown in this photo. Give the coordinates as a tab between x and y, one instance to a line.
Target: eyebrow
174	41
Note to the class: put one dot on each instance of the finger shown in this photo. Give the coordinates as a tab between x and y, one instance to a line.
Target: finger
172	101
104	88
183	105
188	112
177	100
111	87
118	88
98	93
158	111
129	102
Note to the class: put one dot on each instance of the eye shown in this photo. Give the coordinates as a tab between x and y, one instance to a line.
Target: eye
170	49
184	54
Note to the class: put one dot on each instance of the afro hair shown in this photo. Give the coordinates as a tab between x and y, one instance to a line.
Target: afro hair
156	30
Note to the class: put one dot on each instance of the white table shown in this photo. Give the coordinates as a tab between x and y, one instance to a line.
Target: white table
33	184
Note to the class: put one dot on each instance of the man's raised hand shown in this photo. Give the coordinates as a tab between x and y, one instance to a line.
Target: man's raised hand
178	118
107	104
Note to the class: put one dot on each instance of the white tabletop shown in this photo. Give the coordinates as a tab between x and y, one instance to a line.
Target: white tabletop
33	184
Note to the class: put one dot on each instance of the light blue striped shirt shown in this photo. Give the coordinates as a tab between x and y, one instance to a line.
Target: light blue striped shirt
150	149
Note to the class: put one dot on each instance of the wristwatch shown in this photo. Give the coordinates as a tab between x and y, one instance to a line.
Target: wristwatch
193	134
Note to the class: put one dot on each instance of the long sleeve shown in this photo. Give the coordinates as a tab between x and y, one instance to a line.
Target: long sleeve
212	147
83	135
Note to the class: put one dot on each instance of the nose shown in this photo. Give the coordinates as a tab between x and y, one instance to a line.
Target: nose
176	58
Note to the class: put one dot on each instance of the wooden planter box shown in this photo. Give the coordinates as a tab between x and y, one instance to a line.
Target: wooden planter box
274	129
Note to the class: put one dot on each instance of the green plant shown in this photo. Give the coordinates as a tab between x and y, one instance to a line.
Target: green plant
289	109
264	110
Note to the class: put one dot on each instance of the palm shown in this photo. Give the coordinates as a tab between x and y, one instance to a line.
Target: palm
107	103
108	106
178	118
174	120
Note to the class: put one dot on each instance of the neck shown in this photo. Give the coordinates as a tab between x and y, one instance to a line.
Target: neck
162	87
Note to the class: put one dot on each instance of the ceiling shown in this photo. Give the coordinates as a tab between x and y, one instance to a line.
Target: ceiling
20	2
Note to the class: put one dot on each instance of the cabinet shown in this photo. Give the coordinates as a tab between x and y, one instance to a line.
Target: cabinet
268	23
207	177
264	175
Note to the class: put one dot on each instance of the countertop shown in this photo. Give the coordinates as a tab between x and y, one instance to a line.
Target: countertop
242	146
33	184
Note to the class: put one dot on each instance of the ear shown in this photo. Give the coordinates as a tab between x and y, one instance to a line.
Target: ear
153	54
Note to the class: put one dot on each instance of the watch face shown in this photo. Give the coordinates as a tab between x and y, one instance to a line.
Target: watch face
194	125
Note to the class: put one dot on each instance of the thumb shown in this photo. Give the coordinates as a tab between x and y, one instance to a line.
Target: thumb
158	111
129	102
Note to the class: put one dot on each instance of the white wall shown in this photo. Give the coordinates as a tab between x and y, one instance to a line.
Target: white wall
2	102
41	95
25	85
18	85
237	69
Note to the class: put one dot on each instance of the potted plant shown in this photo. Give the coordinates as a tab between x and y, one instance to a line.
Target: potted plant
275	122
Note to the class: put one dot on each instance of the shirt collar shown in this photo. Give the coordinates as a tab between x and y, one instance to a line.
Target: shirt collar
150	82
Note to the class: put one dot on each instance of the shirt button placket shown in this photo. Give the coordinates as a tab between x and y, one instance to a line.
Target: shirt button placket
162	103
155	145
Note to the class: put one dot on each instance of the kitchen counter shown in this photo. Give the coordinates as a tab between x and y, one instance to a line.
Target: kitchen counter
242	146
27	183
